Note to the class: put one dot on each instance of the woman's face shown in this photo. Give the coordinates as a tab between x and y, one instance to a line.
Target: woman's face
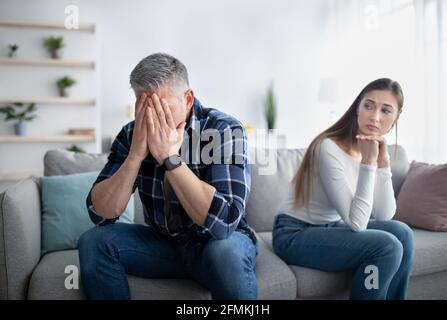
377	112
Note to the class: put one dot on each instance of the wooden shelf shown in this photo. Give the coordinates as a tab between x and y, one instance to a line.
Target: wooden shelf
45	25
50	101
17	176
62	138
49	62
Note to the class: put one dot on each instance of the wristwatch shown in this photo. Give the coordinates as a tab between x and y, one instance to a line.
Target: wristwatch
172	162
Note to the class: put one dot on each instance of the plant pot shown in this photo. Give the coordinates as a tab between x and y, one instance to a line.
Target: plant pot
20	128
63	92
55	54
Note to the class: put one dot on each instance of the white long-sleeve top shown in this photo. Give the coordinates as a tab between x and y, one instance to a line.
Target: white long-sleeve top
344	188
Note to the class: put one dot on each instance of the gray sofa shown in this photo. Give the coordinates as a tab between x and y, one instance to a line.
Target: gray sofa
24	274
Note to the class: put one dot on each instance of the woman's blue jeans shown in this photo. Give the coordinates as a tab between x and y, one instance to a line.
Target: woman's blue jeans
385	247
108	253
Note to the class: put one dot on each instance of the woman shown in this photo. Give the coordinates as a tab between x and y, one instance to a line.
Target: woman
343	181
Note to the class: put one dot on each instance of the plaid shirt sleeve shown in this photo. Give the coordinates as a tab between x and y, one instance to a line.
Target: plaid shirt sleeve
231	178
118	154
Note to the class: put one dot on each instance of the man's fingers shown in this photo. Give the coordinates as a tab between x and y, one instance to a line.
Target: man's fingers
154	114
168	114
150	121
139	117
139	104
159	110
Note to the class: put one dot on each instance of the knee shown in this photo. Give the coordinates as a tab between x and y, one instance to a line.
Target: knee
401	230
94	240
231	253
391	248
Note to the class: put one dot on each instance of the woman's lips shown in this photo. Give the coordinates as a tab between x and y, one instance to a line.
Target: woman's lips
372	128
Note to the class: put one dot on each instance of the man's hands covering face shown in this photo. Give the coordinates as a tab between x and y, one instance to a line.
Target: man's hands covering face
163	137
155	130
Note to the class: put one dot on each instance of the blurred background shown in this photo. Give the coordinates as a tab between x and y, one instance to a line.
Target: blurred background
312	57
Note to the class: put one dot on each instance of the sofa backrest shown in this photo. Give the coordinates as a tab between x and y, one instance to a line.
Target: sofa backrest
272	172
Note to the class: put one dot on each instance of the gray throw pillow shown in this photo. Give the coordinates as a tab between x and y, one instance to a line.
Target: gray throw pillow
60	162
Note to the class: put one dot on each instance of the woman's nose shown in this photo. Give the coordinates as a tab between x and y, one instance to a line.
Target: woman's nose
375	116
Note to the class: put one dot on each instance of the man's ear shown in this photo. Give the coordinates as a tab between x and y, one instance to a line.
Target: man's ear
189	97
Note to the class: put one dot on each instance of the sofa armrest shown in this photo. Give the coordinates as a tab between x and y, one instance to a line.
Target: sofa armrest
20	238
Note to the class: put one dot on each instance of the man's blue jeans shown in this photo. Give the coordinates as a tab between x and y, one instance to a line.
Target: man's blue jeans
108	253
387	245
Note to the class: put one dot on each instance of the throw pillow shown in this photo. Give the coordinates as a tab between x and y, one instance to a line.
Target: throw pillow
422	201
64	213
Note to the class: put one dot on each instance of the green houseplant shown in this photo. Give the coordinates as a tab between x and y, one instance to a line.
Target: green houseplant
63	84
75	148
20	112
53	45
12	50
270	108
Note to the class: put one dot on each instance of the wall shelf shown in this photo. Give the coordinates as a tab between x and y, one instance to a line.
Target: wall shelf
61	138
45	25
17	176
50	101
49	63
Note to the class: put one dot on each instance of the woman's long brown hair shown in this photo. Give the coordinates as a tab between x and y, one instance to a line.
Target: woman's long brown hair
344	129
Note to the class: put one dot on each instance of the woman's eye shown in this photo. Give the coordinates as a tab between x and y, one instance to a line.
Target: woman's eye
386	111
369	107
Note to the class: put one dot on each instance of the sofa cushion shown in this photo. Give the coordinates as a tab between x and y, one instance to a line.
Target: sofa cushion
61	162
312	283
275	280
271	172
430	252
399	166
422	202
64	213
48	282
430	258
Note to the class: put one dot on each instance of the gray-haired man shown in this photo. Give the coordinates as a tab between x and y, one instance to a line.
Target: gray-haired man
194	210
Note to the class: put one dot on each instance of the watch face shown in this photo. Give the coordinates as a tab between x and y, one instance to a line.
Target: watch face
175	160
172	162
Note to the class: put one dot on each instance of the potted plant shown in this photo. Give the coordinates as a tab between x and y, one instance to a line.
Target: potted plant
76	149
12	50
63	84
12	112
270	108
53	45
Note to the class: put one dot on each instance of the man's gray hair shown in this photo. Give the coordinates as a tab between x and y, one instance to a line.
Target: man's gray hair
157	70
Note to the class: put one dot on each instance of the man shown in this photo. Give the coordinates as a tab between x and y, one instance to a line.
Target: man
194	210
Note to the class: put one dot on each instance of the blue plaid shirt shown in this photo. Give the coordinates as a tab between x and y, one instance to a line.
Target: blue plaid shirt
230	178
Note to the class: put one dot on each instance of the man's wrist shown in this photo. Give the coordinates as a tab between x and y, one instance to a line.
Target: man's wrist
171	162
132	161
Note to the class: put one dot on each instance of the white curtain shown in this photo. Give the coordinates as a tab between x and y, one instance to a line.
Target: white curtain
405	40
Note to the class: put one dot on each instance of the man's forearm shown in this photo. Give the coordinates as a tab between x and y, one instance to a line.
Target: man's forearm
110	197
194	194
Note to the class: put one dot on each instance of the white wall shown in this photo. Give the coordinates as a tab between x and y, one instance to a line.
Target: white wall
233	50
37	81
